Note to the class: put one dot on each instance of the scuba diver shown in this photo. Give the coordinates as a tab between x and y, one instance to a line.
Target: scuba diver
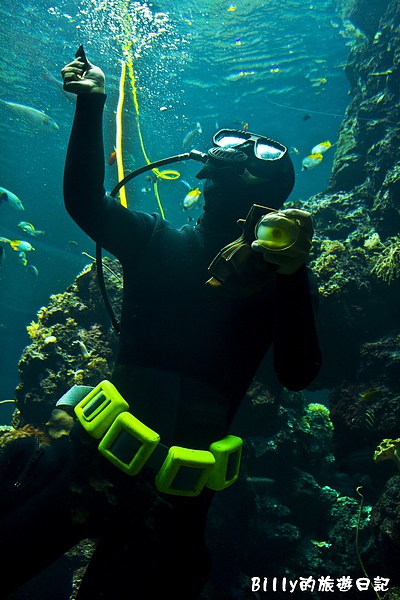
191	341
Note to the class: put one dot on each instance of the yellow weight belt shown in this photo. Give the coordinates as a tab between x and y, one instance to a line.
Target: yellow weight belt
129	444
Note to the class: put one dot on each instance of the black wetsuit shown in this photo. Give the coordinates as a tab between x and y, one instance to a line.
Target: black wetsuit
187	355
170	319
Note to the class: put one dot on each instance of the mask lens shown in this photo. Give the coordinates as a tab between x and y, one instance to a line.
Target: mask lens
265	151
226	140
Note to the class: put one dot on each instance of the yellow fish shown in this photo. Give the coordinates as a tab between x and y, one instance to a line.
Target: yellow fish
318	81
239	75
321	148
372	395
311	161
29	228
21	246
22	258
191	198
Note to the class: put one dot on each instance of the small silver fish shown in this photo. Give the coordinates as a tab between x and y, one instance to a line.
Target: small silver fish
187	140
38	118
58	84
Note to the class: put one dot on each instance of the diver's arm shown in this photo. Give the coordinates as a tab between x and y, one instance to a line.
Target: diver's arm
84	166
297	356
118	230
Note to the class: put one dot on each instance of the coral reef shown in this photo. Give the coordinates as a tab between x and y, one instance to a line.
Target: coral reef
72	343
388	449
357	219
304	506
386	523
387	265
356	262
9	434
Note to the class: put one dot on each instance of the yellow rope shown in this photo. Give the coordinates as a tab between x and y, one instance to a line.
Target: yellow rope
157	195
167	174
118	143
135	100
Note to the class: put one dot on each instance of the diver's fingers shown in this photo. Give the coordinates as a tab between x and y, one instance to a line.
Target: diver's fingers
76	70
83	66
300	249
298	213
72	82
74	75
70	75
80	77
287	261
75	64
268	255
302	217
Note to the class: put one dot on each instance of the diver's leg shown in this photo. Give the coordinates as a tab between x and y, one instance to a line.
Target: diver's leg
134	570
35	523
165	557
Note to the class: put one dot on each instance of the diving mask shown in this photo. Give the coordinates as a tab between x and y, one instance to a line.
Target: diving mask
253	145
234	151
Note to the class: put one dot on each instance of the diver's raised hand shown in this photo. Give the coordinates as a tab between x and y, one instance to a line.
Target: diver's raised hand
290	259
79	79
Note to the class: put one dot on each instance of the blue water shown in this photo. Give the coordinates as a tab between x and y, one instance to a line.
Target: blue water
216	63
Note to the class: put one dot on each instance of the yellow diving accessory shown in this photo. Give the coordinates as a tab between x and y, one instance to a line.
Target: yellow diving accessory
227	454
237	269
276	232
129	444
98	410
184	471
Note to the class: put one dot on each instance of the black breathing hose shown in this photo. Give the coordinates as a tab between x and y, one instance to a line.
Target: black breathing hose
193	155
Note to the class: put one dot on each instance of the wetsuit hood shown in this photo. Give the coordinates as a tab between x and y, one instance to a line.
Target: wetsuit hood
229	195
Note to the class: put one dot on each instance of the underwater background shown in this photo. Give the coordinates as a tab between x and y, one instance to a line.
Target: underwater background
214	63
319	490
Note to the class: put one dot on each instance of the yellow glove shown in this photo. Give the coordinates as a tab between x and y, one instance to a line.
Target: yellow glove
284	239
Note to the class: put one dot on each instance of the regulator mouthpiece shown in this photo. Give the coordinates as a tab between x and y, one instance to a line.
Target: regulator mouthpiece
223	162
